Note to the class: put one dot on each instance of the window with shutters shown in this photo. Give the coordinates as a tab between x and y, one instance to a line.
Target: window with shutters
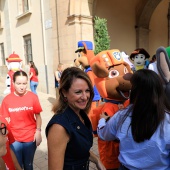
27	48
23	8
2	53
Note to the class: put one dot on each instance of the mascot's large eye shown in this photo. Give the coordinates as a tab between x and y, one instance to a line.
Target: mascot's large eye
126	70
113	73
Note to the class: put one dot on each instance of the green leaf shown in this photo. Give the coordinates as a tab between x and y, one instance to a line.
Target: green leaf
101	37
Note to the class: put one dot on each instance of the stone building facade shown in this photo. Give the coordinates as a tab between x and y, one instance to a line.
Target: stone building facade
47	32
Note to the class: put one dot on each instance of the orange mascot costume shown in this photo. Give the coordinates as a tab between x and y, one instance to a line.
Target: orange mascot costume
113	83
82	62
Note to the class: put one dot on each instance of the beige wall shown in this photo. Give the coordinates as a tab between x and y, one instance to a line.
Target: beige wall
75	23
5	34
30	24
48	23
121	24
16	26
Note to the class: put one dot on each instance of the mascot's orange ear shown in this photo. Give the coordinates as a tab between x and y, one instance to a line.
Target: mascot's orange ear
89	53
98	65
99	70
95	63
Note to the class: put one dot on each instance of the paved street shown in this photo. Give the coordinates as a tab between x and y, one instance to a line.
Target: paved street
41	156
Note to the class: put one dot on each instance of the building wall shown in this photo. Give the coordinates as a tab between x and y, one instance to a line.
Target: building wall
48	24
122	20
74	23
158	35
16	26
5	31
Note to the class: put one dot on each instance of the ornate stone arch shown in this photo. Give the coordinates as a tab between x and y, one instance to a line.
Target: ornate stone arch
144	11
143	16
80	16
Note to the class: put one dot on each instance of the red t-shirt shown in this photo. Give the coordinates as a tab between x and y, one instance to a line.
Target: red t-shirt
21	110
34	77
7	158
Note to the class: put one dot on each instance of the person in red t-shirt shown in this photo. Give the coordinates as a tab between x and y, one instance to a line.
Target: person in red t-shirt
33	75
10	158
22	110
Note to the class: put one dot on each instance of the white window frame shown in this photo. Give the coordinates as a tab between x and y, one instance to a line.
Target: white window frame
23	6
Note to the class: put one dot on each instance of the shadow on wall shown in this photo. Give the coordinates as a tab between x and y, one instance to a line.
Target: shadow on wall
51	100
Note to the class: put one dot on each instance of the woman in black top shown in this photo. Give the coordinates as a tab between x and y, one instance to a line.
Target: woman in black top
69	132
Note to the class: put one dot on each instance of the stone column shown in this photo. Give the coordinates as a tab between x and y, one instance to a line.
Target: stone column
80	17
83	25
142	38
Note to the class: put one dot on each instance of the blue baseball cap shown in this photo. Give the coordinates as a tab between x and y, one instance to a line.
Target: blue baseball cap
89	45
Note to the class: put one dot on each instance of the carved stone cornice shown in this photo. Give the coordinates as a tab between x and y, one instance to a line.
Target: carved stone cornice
80	19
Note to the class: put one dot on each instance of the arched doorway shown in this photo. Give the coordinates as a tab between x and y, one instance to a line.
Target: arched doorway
143	17
135	17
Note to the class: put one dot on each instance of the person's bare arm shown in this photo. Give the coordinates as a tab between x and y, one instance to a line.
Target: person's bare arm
31	74
56	76
37	136
15	161
57	142
2	164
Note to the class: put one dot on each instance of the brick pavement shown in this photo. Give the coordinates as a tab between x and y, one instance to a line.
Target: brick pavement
41	156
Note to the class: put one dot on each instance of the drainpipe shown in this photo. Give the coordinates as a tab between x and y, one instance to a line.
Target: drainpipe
58	42
44	44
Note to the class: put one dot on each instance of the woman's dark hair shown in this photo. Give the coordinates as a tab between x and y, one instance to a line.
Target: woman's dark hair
149	104
66	80
19	73
34	67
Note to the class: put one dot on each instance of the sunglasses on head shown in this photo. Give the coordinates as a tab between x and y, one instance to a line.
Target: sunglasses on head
3	129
